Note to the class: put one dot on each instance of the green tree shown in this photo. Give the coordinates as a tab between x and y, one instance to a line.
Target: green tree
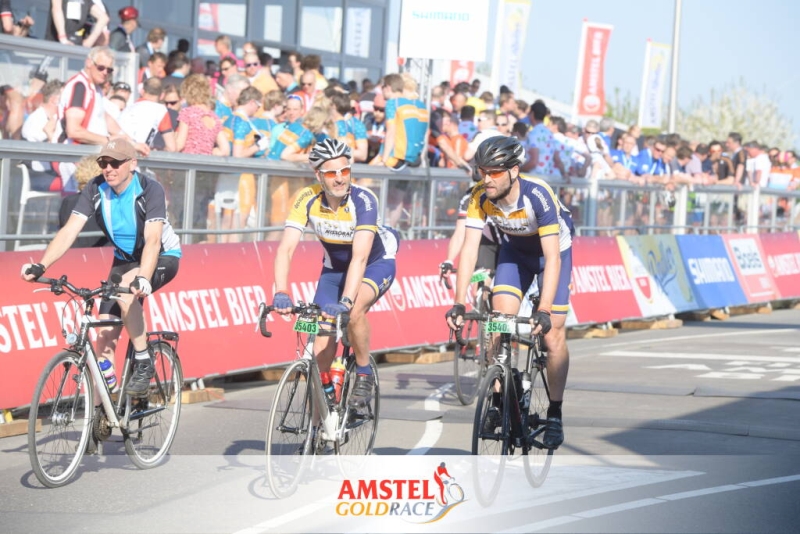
736	108
622	108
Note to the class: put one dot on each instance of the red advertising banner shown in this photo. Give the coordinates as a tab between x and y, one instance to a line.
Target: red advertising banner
213	304
590	96
461	71
601	289
783	259
747	257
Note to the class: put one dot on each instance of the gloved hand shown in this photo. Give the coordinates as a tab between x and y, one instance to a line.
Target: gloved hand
452	315
542	318
143	285
332	310
32	271
263	144
282	301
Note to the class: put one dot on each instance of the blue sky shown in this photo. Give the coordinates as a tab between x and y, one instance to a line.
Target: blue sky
721	42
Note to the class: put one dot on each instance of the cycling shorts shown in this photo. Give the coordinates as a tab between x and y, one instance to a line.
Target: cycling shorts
515	272
166	269
379	275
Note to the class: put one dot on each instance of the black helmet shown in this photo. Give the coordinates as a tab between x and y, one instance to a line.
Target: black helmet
328	149
500	151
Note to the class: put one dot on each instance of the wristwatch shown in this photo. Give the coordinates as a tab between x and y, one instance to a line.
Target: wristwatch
347	302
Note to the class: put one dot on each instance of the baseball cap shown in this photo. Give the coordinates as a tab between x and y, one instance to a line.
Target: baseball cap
591	127
119	149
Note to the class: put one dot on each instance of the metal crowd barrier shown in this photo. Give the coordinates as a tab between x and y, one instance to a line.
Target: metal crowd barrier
420	203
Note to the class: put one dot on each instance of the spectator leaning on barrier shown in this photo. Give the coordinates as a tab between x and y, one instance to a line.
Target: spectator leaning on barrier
120	39
348	129
234	85
156	68
148	117
406	126
718	166
17	28
375	124
758	165
199	128
154	43
42	125
68	20
117	99
248	140
738	156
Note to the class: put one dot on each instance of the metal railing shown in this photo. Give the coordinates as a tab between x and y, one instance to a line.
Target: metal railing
421	203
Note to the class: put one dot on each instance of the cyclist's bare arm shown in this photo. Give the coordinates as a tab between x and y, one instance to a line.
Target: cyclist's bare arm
152	246
466	266
283	258
60	243
457	240
552	267
362	245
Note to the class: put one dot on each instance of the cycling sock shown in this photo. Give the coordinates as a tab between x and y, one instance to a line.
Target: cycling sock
554	410
364	370
141	355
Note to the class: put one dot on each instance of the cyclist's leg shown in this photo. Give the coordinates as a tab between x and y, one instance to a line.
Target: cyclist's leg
378	278
513	277
557	353
328	291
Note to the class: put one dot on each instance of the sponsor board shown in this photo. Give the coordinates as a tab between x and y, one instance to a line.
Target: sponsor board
661	256
782	251
747	256
710	271
653	301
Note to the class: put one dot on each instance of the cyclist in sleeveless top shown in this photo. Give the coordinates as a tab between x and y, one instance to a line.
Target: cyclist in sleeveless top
131	210
536	241
359	262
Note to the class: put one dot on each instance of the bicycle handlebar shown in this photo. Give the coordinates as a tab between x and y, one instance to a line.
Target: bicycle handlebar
107	289
476	316
304	309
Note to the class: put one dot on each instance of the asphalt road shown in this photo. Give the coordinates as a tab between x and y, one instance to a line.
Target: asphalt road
695	429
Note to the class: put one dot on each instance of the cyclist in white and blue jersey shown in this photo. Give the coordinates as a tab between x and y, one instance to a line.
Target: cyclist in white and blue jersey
359	262
131	210
536	242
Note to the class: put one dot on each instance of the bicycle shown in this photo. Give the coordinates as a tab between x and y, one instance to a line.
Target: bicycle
510	415
302	422
63	401
471	360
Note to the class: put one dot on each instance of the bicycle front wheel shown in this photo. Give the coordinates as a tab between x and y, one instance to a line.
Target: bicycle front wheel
467	362
153	419
359	426
538	458
63	405
288	433
490	436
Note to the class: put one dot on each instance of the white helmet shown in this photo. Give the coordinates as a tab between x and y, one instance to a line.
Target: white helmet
328	149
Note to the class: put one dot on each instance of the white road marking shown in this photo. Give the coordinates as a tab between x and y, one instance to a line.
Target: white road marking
433	428
699	356
689	366
641	503
703	336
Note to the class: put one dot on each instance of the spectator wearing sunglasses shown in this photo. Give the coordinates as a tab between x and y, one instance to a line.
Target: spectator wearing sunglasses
260	77
375	124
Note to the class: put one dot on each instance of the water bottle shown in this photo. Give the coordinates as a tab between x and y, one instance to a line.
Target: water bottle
107	368
526	390
337	377
327	387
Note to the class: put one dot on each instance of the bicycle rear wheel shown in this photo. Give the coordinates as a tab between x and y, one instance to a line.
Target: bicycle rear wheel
289	430
358	425
153	419
490	437
468	362
63	405
538	458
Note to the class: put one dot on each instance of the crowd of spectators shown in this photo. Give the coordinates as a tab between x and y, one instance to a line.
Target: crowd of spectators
247	106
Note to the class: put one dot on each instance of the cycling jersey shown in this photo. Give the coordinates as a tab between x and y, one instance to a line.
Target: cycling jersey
538	213
336	227
411	123
123	217
350	130
295	134
490	231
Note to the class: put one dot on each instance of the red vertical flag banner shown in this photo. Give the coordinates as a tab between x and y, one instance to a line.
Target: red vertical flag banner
461	71
590	95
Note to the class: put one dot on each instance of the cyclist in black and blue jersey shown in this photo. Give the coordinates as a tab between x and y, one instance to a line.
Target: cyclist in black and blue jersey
359	262
131	210
536	241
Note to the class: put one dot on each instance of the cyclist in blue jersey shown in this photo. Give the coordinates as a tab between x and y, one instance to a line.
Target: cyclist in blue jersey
131	210
359	263
536	241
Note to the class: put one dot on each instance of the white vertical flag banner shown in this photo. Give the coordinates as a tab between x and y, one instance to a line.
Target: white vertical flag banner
654	79
512	24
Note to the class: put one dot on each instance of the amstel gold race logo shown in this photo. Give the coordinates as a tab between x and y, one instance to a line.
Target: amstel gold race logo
415	500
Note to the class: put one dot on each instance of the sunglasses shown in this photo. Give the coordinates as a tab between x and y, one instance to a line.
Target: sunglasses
494	174
115	164
252	64
656	149
382	110
103	68
502	124
344	172
229	67
172	102
121	86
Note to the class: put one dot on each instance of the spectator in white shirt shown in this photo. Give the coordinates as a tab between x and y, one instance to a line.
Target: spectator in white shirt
42	126
148	117
758	165
487	128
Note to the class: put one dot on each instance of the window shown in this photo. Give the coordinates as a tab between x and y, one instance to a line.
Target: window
321	25
363	30
173	12
227	17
